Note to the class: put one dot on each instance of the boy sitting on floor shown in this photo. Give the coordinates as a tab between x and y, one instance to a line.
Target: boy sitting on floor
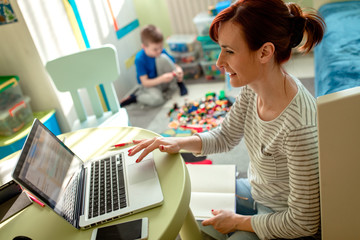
156	71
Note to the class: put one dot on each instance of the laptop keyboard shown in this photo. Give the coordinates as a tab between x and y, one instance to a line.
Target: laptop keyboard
69	203
107	186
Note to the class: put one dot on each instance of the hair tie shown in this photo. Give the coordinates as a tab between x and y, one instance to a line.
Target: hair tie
297	30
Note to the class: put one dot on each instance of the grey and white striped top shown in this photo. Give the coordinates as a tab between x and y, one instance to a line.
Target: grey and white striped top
283	169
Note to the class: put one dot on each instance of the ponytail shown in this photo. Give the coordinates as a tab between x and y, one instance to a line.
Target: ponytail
305	23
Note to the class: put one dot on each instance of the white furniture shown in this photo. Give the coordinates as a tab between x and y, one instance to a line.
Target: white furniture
88	69
339	165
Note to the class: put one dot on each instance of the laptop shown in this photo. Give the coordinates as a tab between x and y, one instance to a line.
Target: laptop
87	193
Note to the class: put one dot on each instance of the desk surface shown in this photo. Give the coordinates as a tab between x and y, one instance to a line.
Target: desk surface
164	221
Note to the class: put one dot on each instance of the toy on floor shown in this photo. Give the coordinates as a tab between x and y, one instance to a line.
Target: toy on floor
198	116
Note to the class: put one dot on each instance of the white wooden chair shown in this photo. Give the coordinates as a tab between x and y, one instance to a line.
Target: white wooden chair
88	69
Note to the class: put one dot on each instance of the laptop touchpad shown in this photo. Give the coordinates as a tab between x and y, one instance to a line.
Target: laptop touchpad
139	172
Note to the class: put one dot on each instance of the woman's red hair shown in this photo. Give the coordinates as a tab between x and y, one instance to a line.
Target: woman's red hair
273	21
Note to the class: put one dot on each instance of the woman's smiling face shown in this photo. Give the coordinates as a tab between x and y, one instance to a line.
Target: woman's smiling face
236	57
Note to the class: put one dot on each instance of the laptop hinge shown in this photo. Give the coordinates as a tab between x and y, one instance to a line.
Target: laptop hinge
80	202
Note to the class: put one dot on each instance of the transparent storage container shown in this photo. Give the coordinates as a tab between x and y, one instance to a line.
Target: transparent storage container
211	53
182	42
15	110
187	57
13	117
210	49
211	71
203	21
206	41
191	70
10	91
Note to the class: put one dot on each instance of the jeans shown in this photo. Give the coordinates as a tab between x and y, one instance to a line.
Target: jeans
245	205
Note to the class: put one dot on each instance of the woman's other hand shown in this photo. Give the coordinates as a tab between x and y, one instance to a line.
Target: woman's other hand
226	221
223	221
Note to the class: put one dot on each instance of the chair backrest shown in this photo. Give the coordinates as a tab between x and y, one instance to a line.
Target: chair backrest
87	69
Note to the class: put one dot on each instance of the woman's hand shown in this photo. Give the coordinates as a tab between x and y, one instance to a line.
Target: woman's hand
169	145
226	221
223	221
166	144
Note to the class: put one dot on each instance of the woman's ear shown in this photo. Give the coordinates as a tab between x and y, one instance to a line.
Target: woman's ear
266	52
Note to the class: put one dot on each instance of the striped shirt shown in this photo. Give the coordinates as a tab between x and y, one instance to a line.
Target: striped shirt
283	168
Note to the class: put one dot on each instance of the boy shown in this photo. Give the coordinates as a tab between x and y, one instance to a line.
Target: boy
156	71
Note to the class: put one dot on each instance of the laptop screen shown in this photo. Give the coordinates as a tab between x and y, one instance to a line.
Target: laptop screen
46	167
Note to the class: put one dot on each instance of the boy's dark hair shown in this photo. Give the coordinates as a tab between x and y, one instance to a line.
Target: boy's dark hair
151	34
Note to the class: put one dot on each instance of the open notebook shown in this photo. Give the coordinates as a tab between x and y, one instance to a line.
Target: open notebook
212	187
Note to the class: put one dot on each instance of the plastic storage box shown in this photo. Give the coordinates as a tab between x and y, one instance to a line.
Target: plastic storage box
206	41
211	71
203	21
191	70
182	42
210	49
187	57
15	110
14	117
10	91
211	53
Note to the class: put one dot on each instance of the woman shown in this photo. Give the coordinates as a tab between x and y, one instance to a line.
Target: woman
274	113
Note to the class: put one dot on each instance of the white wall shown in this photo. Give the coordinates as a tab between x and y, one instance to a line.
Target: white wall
99	28
19	56
46	34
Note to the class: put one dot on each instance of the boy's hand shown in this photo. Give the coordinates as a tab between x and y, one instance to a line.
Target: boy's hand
179	73
167	77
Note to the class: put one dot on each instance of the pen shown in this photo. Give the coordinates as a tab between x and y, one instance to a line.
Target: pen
32	197
35	199
122	144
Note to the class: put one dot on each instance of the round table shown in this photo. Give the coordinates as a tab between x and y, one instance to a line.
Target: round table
165	221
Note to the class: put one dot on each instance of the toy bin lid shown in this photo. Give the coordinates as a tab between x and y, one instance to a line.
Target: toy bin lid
181	38
203	17
8	82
